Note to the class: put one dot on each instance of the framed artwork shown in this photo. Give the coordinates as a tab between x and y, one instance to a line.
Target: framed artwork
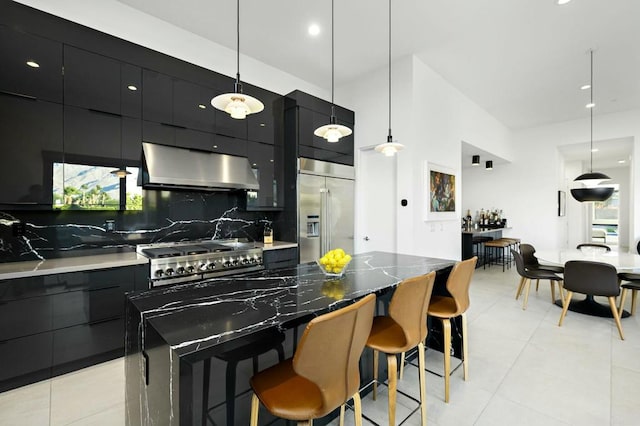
562	203
440	193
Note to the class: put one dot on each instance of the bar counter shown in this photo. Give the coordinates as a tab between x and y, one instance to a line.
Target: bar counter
169	331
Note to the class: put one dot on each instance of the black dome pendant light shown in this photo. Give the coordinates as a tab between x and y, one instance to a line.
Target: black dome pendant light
592	192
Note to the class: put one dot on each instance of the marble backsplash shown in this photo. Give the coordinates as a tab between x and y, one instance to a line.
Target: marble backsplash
166	216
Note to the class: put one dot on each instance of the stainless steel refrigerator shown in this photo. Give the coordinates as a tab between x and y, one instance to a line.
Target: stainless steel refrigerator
325	208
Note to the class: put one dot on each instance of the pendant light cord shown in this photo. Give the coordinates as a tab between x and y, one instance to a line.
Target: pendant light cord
333	112
591	112
238	85
389	136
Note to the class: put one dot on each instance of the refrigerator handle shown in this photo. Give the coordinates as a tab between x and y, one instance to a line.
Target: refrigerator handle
327	201
323	221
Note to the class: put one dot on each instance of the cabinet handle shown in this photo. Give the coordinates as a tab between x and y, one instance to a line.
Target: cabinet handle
97	111
97	322
146	368
89	290
19	95
175	126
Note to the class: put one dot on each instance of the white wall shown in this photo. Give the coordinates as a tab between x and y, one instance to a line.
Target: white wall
527	187
431	118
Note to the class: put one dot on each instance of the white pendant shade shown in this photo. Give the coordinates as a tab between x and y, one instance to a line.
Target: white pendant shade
120	173
389	148
332	132
238	105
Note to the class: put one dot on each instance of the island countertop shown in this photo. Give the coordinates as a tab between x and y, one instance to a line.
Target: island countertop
191	317
170	330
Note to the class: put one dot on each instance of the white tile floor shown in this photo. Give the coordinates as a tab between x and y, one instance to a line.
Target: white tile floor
524	370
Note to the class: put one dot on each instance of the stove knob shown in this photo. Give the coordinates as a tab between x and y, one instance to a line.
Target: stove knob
203	266
159	273
191	269
180	270
235	262
211	266
246	261
259	259
169	271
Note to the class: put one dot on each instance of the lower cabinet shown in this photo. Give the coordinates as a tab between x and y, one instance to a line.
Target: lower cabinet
280	258
53	324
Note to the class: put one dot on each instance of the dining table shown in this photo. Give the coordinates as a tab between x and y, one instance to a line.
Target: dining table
621	260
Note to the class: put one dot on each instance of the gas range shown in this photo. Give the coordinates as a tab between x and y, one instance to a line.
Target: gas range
171	263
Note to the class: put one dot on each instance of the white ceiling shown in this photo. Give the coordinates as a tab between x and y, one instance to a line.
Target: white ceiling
523	61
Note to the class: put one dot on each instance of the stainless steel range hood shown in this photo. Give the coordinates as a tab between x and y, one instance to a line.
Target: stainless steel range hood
168	167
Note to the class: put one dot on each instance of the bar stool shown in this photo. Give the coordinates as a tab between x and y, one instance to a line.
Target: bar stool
497	247
323	373
404	328
514	243
260	343
446	308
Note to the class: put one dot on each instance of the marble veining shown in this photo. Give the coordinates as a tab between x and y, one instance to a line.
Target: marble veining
198	320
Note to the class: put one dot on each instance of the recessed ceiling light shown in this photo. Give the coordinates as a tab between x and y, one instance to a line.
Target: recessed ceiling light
202	106
563	1
314	29
262	124
621	161
33	64
271	161
132	87
590	105
595	150
585	87
254	164
215	147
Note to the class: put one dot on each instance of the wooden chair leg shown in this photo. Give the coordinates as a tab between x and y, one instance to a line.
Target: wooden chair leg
392	367
616	317
520	287
537	285
423	385
446	328
565	306
255	405
465	347
357	409
561	290
375	375
623	296
553	291
634	299
401	375
526	294
342	414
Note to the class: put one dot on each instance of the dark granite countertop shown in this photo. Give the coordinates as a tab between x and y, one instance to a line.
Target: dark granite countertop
197	316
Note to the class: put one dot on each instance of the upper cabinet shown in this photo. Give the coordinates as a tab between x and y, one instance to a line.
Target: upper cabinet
99	83
31	140
31	66
175	102
305	113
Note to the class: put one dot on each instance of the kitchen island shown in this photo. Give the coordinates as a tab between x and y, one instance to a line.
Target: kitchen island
170	331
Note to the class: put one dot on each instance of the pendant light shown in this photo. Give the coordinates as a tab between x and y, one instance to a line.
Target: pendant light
591	180
389	148
333	131
121	172
237	104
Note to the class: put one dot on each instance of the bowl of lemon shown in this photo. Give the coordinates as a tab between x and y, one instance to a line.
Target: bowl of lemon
334	262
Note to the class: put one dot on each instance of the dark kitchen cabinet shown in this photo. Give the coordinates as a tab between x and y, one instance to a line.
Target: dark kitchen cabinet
304	114
157	97
280	258
265	126
131	140
263	159
228	145
31	138
92	133
91	80
192	106
158	133
43	82
74	319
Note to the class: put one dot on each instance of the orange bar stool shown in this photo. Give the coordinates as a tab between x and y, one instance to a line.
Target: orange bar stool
404	328
323	373
495	249
445	308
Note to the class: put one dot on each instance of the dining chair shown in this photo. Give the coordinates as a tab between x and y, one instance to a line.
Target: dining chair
592	278
404	327
526	275
531	261
324	371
